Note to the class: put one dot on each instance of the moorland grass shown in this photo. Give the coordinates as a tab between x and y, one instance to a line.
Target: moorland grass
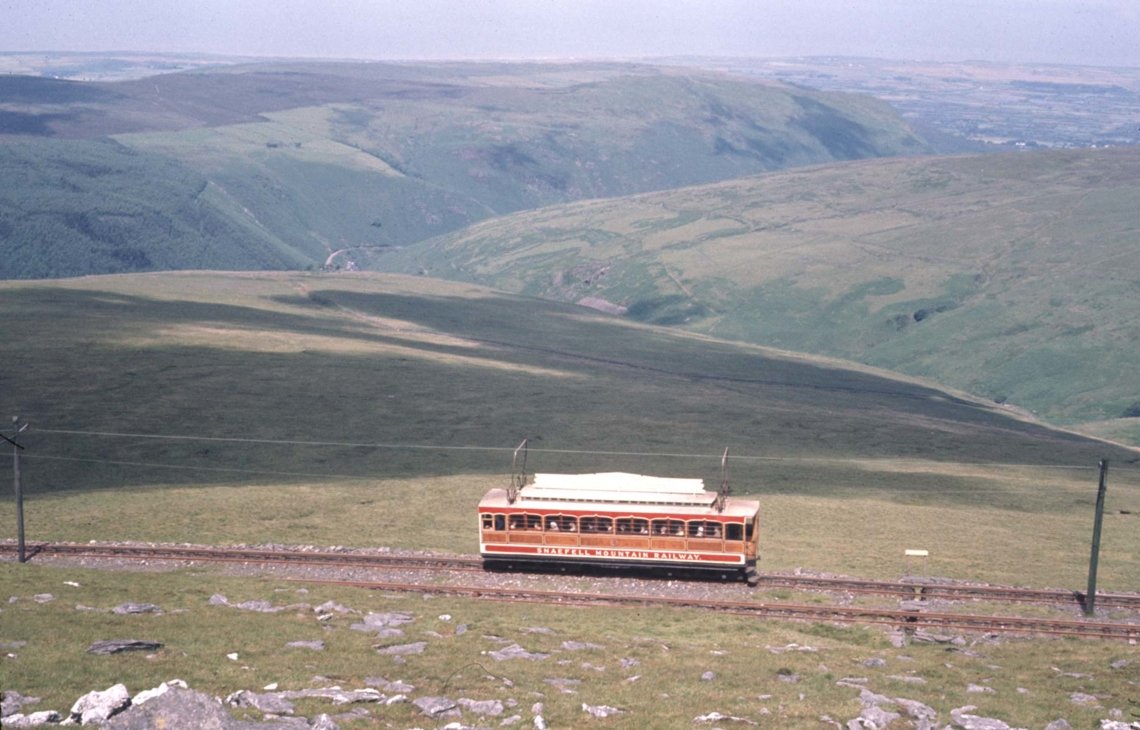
648	662
1001	277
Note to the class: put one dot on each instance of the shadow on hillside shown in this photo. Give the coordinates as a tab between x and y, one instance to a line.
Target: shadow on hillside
114	406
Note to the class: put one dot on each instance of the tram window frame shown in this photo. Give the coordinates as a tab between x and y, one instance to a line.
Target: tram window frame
633	526
595	525
733	531
488	521
667	528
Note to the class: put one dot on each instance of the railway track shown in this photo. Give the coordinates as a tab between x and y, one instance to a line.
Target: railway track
908	620
951	591
264	556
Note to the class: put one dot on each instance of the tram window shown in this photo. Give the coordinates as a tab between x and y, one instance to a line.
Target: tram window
597	524
668	528
696	528
750	530
733	531
633	526
487	521
532	522
568	524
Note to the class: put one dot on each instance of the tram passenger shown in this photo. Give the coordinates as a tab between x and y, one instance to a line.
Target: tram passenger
552	524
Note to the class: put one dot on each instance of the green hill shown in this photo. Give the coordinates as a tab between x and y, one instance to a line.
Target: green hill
375	410
369	359
1013	277
295	165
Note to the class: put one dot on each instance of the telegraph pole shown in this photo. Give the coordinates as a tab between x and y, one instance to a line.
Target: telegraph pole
17	429
1090	594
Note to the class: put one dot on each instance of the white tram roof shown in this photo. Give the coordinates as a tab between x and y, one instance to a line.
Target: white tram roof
617	488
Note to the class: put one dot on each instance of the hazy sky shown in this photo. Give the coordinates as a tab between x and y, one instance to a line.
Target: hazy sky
1095	32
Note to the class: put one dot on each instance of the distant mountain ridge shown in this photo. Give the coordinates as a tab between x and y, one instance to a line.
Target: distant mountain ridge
1011	276
306	164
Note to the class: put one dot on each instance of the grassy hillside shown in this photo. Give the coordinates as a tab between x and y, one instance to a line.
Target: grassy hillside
342	162
1013	277
374	410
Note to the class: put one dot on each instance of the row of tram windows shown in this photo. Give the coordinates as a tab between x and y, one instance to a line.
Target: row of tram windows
620	526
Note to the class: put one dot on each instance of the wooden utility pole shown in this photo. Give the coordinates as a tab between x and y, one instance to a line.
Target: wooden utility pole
1090	594
17	429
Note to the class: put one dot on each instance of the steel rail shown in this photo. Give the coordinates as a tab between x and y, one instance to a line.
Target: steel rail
912	590
249	555
908	620
923	591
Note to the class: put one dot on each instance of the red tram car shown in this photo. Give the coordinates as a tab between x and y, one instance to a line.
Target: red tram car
619	520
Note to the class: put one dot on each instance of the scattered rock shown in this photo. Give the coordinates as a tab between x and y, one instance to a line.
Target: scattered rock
132	608
601	711
875	662
150	694
438	707
114	646
100	706
514	651
708	676
962	718
331	607
979	689
1080	698
1059	724
720	717
36	719
416	647
12	702
314	645
269	703
43	598
483	708
1120	663
579	646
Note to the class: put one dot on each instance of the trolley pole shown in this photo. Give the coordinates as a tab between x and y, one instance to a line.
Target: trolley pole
1090	594
17	429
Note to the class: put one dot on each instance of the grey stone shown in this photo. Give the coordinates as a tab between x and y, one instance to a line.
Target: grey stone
272	703
314	645
708	676
437	707
514	651
150	694
35	719
601	711
579	646
114	646
979	689
131	608
483	708
43	598
337	695
324	722
1059	724
1081	698
721	717
12	702
403	649
875	662
1120	663
331	607
963	718
184	708
100	706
